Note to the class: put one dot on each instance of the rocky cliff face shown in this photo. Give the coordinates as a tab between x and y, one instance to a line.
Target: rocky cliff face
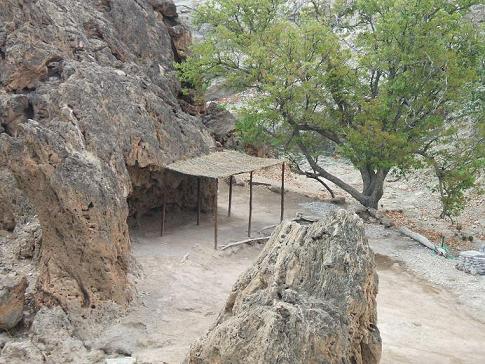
309	298
89	117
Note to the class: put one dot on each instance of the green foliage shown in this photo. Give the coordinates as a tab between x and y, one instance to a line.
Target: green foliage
458	164
384	80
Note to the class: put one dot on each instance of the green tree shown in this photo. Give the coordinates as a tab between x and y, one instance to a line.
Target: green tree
383	80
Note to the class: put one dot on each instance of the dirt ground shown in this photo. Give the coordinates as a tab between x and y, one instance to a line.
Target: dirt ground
184	283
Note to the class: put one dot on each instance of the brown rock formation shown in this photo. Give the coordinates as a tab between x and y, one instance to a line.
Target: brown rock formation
309	298
88	104
12	299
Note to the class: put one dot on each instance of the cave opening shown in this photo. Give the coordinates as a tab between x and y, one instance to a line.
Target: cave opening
151	188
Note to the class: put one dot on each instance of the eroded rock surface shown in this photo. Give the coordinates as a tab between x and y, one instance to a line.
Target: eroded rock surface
88	103
52	339
309	298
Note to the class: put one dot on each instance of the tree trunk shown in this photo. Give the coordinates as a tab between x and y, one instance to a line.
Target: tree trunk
373	180
368	180
373	186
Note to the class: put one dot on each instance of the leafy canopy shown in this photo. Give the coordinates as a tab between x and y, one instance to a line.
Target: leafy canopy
384	80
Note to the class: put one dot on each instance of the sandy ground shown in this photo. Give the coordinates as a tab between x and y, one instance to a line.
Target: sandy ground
184	283
421	323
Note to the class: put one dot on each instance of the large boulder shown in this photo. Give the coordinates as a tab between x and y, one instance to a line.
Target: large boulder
88	103
309	298
12	300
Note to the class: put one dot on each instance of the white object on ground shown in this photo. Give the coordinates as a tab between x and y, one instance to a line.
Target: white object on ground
423	240
121	360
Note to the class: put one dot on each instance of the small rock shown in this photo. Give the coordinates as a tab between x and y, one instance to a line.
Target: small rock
12	299
120	73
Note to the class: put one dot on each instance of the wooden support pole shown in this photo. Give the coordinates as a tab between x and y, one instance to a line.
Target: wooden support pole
282	192
215	215
198	200
230	196
250	202
164	202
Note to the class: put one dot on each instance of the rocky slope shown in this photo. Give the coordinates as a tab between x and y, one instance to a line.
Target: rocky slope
309	298
89	116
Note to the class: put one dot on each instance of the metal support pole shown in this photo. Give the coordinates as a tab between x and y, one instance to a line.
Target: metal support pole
162	228
250	202
215	215
282	192
198	200
230	196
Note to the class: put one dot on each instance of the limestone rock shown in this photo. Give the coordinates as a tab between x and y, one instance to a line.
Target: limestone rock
20	352
88	102
12	299
309	298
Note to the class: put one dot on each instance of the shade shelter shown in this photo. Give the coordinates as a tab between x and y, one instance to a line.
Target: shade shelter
225	164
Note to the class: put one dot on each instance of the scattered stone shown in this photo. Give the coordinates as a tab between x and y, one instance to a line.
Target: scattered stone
309	298
472	262
12	300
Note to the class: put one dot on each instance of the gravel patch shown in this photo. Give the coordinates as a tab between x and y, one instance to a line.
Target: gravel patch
423	263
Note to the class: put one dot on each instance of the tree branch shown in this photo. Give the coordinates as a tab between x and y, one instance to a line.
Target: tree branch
323	173
323	132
